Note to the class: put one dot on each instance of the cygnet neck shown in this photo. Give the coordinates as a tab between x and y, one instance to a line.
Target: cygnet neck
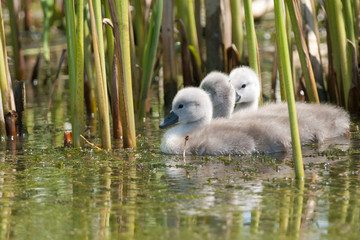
247	105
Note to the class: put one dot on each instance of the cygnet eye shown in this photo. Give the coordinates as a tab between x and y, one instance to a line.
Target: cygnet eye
180	106
243	86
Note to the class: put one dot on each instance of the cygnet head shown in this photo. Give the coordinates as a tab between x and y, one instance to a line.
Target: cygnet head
221	92
247	87
190	106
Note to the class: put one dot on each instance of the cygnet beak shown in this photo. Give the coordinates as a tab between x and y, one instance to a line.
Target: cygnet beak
237	97
170	119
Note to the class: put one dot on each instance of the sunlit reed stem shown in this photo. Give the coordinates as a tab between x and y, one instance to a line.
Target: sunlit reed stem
101	90
15	41
125	86
5	78
296	22
99	28
48	9
285	68
237	26
252	41
152	39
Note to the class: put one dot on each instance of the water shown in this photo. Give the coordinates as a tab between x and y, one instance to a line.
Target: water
48	192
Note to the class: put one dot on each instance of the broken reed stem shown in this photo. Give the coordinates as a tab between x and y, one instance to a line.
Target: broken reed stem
91	144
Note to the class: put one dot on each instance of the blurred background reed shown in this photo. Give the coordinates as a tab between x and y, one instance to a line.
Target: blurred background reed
118	51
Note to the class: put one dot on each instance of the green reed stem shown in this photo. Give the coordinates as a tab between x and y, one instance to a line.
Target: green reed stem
252	41
48	9
122	8
99	28
336	19
71	45
296	22
139	29
152	39
79	82
169	60
285	68
101	90
251	37
237	26
5	78
18	56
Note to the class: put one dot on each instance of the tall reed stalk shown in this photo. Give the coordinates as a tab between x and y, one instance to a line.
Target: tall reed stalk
285	68
152	39
79	82
74	61
237	26
48	10
169	61
252	41
7	95
125	81
15	40
296	22
101	87
338	41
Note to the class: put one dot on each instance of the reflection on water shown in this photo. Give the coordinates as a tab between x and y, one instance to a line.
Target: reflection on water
47	192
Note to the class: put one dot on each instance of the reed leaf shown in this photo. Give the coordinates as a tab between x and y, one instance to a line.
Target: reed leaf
101	91
152	39
285	68
296	22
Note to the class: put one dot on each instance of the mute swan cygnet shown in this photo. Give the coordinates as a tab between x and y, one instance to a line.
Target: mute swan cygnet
316	121
222	93
192	109
247	87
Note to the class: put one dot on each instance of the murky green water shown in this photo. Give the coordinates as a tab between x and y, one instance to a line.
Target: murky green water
47	192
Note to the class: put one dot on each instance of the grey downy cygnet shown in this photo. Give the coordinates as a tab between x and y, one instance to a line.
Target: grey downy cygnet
316	121
192	109
222	93
247	88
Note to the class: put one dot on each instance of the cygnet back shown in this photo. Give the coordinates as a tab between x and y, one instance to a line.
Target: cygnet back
247	87
221	92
